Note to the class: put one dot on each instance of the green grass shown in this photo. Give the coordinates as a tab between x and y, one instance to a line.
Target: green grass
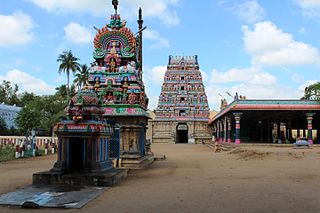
7	153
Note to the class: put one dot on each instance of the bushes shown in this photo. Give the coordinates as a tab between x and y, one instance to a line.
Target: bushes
7	153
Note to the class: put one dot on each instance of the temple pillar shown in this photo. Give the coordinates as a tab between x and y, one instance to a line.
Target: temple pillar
217	131
289	130
261	131
237	117
220	131
298	132
309	120
269	133
225	129
229	130
278	131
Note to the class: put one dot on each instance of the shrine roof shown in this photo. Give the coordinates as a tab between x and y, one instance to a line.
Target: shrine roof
253	105
178	60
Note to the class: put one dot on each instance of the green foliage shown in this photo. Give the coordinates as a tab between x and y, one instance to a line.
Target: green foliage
41	113
61	92
312	92
25	98
8	93
68	62
7	153
3	127
29	117
81	76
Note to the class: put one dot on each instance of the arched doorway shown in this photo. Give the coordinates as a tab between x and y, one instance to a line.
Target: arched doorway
182	133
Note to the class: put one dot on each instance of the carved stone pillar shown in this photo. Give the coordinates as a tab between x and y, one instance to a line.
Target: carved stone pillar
237	117
309	119
229	130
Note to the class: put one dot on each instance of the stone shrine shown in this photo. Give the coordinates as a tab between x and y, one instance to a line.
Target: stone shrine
113	99
83	146
116	77
182	113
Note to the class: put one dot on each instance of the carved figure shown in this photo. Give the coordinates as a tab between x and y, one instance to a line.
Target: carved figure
125	85
78	114
112	65
97	84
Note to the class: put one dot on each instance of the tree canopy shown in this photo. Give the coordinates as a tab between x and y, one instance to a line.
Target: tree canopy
312	92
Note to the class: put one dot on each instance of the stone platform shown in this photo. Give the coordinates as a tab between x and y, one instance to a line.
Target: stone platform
108	178
136	162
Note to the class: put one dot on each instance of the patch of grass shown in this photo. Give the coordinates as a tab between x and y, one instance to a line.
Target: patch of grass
7	153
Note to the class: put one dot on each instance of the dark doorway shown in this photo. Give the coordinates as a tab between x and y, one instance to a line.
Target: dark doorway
182	133
76	161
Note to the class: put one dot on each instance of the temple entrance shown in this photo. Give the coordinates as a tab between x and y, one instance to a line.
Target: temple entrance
182	133
76	150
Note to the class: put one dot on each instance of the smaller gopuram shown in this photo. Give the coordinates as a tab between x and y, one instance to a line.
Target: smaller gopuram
183	112
116	75
83	144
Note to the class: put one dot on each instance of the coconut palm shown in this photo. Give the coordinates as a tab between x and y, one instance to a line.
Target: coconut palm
68	62
81	76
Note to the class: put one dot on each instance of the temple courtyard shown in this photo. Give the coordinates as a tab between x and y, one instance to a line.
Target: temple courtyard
251	178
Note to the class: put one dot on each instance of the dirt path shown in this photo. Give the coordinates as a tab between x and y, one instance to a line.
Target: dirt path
193	179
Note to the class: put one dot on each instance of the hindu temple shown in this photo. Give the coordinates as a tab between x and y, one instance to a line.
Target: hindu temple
182	112
108	116
267	121
116	77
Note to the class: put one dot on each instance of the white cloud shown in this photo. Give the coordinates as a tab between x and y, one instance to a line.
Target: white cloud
27	82
155	75
204	75
153	79
310	8
252	75
160	9
159	42
251	82
269	45
16	29
250	11
153	101
78	34
309	3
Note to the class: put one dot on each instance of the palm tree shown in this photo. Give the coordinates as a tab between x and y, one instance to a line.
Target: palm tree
82	76
68	62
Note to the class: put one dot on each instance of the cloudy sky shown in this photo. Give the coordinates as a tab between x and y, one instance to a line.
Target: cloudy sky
258	48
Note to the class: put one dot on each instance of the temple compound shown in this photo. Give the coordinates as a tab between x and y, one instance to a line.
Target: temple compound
107	117
267	121
182	113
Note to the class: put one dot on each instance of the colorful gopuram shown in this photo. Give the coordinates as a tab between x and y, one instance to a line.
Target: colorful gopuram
182	113
116	77
108	116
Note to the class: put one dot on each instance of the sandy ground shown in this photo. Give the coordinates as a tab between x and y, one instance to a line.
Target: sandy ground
194	179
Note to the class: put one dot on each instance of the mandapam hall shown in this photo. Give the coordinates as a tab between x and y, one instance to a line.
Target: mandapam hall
267	121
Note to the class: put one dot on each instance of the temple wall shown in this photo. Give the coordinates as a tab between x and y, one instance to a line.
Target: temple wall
166	131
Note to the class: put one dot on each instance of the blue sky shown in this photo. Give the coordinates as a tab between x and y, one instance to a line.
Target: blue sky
258	48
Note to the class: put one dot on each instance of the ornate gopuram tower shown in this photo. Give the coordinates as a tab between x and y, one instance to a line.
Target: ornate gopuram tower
116	76
183	112
107	117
